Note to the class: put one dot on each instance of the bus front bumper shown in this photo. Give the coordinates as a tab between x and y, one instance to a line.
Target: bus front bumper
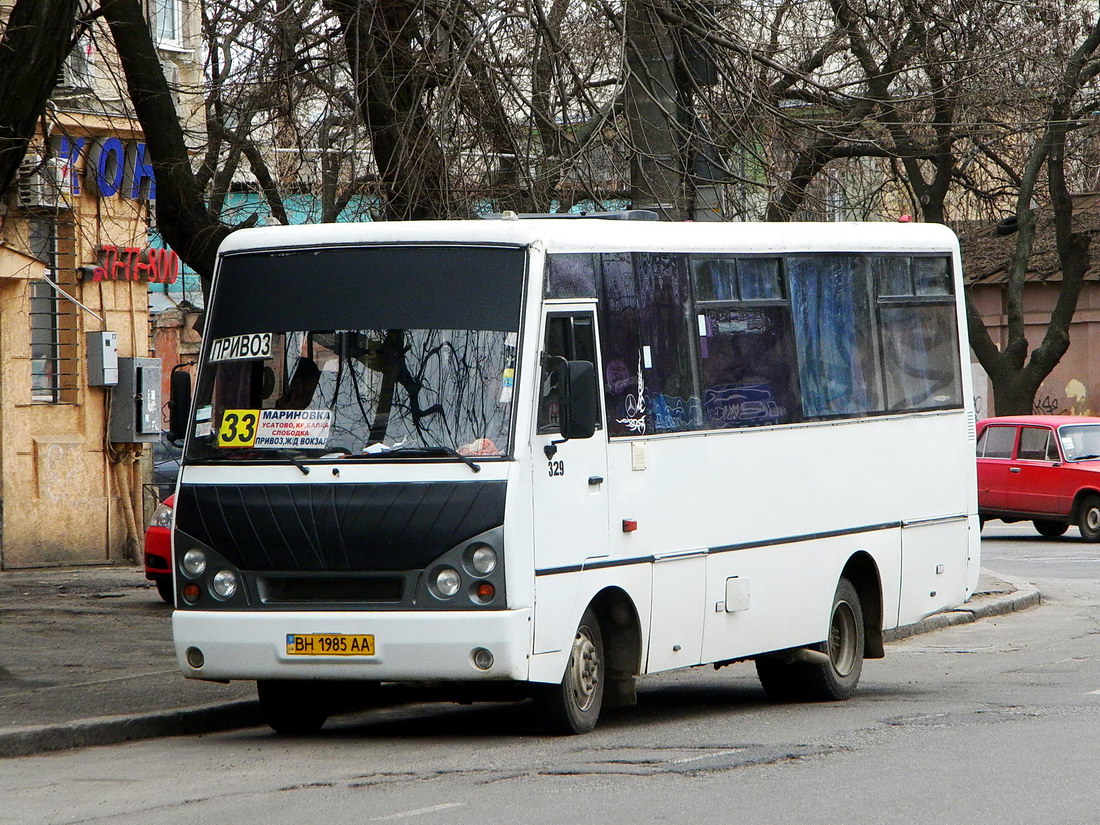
408	646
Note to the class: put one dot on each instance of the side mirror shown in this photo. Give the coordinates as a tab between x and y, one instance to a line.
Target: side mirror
579	400
179	403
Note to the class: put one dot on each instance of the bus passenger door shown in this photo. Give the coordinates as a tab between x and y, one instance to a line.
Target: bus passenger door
569	484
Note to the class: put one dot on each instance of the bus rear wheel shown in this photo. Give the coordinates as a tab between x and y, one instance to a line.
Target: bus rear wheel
824	672
573	706
292	708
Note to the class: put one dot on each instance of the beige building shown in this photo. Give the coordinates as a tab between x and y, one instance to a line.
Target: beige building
75	269
1073	386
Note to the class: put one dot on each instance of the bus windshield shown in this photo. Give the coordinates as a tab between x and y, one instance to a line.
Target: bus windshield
400	353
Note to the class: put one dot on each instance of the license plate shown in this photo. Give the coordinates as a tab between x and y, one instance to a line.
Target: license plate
329	644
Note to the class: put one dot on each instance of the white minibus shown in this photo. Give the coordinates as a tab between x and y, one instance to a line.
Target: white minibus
542	457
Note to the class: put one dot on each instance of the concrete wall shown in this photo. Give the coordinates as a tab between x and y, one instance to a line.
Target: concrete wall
1073	387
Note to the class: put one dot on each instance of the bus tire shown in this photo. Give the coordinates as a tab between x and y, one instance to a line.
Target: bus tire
1088	518
789	678
1050	529
291	708
573	705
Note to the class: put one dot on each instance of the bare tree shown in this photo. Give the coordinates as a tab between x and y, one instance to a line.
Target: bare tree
963	109
182	216
826	108
1015	376
36	40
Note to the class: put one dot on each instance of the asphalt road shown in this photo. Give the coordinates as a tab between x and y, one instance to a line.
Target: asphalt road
994	721
1017	550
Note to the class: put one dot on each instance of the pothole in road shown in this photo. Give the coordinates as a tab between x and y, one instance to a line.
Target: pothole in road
647	761
981	716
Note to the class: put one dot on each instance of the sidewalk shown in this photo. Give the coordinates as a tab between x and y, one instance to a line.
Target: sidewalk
86	659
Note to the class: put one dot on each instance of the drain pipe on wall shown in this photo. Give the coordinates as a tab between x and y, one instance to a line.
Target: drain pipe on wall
123	458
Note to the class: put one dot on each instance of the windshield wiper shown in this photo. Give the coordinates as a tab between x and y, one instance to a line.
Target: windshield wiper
293	459
428	451
1088	457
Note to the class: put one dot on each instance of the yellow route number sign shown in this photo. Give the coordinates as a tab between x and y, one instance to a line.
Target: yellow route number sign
238	428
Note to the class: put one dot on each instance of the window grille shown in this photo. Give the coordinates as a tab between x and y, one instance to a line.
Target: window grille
53	322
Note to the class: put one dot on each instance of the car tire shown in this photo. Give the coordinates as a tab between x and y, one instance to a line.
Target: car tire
164	588
1050	529
1088	518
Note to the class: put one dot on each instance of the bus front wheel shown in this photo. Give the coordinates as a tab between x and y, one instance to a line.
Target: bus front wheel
292	708
573	706
823	672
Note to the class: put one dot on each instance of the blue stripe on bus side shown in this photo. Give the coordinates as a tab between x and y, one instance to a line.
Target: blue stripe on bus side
728	548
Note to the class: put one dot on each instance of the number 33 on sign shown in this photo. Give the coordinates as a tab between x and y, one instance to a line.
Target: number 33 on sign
238	428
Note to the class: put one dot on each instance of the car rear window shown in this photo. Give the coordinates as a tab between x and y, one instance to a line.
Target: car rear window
996	442
1037	444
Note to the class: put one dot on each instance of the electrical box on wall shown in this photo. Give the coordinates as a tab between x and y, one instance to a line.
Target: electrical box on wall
135	403
102	358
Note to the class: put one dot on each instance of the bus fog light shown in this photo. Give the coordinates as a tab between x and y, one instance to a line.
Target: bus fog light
195	658
224	584
447	582
484	560
194	562
483	659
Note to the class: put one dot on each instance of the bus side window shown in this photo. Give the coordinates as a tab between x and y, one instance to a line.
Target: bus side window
570	337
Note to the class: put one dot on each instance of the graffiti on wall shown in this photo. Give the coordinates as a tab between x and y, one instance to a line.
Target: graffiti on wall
1074	401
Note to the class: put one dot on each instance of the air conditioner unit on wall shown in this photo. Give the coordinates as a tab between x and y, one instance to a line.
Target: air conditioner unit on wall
43	184
75	76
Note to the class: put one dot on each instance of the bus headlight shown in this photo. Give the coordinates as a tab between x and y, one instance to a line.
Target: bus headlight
447	582
483	560
194	562
224	584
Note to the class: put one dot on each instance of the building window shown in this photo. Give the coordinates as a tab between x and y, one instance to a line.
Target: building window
46	367
165	20
52	321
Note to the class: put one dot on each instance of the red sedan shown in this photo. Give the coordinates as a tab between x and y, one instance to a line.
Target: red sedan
158	549
1041	468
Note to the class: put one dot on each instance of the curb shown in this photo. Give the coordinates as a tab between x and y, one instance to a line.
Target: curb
1024	596
111	730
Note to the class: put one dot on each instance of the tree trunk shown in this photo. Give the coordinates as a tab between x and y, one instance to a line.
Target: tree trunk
390	85
36	41
653	114
182	217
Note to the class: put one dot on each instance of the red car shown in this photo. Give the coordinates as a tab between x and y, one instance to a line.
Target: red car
1042	468
158	549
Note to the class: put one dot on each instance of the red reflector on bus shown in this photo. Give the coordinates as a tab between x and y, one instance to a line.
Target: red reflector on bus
191	593
629	525
486	591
